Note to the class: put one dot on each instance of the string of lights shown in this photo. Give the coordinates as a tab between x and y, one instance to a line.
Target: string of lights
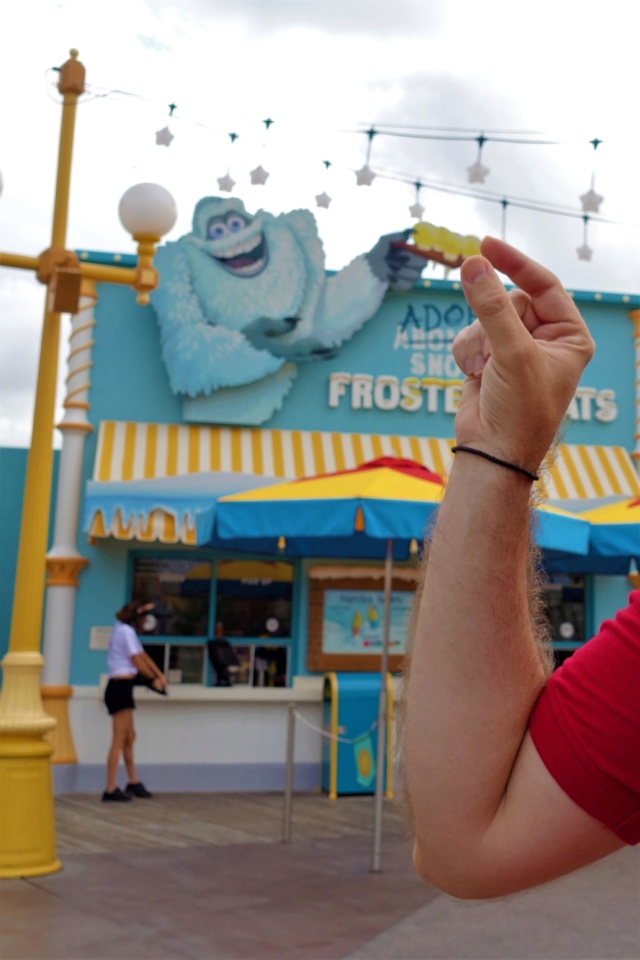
477	172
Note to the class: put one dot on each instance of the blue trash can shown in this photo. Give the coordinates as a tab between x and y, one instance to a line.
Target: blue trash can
351	702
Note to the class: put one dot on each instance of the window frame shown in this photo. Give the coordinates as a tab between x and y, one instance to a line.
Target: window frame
213	557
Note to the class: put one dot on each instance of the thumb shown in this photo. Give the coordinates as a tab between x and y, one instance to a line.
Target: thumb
492	305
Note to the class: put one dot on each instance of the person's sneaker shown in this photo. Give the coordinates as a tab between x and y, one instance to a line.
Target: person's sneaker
116	796
136	790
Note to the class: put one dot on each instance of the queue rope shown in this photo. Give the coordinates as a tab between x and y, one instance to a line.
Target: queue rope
332	736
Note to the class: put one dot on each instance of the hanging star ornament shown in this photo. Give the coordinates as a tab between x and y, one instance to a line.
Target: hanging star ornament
323	199
584	252
365	176
164	137
259	175
416	210
591	201
226	183
477	172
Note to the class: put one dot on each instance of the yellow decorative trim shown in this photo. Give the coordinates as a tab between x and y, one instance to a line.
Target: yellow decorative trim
74	426
83	388
55	700
87	292
331	680
634	316
57	692
78	350
79	369
81	327
64	571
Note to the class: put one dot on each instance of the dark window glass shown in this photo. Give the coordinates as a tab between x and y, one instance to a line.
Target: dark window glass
180	590
253	598
186	663
181	662
270	666
564	602
559	657
157	653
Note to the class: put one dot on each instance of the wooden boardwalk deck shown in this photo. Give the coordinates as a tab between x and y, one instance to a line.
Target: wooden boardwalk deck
171	820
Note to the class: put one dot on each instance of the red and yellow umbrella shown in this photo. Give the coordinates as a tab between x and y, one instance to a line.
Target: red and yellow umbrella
387	498
615	528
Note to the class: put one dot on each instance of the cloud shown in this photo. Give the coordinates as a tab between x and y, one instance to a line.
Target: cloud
363	18
152	43
320	68
21	305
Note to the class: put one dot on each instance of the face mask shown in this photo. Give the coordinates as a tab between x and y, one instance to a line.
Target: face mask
149	623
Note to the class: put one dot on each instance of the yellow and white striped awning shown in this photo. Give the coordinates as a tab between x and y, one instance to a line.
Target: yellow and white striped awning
583	472
140	451
130	451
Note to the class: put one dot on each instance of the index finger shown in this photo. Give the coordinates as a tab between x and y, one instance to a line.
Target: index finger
550	299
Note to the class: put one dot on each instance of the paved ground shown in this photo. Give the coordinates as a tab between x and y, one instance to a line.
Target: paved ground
206	876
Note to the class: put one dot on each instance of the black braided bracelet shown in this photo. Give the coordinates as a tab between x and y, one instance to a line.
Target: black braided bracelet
501	463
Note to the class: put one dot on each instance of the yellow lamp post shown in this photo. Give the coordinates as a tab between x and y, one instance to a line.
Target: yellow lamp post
27	833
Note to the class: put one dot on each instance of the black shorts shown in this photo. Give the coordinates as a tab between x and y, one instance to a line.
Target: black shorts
119	694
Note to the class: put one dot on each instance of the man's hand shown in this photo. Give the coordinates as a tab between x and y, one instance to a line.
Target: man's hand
475	781
523	356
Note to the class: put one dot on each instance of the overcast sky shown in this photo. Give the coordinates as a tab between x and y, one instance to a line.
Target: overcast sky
322	70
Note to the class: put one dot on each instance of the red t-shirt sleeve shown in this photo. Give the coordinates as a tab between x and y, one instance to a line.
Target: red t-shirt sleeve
586	724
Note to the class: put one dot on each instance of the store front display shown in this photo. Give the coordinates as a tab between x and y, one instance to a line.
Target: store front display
185	429
245	604
179	590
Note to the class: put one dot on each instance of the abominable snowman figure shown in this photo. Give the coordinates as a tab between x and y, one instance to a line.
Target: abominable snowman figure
244	298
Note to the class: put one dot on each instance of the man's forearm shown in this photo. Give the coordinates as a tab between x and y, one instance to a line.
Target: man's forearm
476	668
476	784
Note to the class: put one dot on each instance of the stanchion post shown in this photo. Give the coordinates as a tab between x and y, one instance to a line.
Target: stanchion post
288	781
376	850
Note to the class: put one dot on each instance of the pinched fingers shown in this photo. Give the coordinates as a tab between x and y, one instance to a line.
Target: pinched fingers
529	345
524	308
472	347
494	308
551	304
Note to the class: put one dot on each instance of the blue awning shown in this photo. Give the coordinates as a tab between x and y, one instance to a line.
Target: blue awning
163	508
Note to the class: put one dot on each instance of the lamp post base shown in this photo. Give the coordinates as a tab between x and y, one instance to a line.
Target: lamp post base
27	830
27	833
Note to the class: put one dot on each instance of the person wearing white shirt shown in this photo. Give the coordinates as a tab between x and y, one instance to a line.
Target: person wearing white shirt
125	659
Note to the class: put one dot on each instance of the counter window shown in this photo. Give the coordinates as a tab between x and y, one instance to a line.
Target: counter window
564	599
180	590
252	612
180	662
253	599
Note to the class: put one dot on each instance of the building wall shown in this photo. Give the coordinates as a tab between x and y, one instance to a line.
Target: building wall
129	380
372	385
409	336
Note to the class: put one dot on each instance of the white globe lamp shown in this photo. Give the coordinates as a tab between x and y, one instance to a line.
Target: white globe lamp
147	210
